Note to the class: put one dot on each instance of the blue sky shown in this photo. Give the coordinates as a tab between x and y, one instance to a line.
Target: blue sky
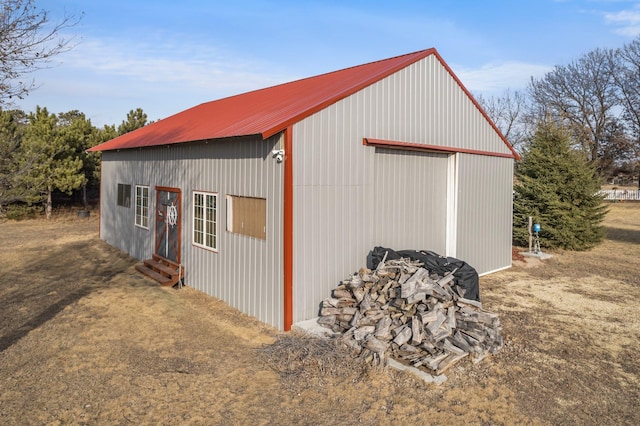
167	56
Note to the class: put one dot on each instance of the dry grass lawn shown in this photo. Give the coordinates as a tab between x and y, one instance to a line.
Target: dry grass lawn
85	340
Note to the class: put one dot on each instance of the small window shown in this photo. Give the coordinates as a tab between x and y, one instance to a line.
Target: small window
124	195
142	206
205	220
247	216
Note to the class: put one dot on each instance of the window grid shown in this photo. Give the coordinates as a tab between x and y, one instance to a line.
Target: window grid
142	206
205	220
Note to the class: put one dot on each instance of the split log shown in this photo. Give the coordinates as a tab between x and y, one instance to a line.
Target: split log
416	331
330	311
341	293
375	345
449	361
362	332
447	278
435	324
468	302
382	329
327	320
414	284
403	337
451	317
429	316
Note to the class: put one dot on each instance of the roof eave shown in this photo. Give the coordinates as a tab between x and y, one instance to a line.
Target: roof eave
168	144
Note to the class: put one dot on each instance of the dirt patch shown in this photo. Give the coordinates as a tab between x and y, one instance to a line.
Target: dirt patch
85	339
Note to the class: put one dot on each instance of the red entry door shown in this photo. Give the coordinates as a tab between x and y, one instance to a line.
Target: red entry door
168	222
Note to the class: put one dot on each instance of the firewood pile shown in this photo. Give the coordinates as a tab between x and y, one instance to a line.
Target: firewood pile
401	310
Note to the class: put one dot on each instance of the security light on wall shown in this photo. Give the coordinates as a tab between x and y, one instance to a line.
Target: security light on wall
278	154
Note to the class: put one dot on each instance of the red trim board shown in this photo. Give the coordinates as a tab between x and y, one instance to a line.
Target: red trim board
288	229
424	147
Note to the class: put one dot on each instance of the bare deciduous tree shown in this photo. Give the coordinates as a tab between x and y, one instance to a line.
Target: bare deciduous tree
627	78
508	112
582	96
28	42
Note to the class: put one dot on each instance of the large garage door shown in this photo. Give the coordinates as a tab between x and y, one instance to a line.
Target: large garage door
410	205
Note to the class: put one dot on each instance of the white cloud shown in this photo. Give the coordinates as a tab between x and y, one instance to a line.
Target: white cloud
105	78
188	65
626	21
496	77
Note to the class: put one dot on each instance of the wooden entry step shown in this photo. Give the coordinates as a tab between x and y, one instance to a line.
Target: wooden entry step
167	272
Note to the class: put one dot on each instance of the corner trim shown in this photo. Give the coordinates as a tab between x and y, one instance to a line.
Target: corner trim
288	229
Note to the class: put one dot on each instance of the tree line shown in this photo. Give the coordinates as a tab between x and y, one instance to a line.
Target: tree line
43	152
595	98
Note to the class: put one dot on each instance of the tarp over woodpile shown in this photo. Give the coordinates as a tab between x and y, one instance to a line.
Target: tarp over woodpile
466	277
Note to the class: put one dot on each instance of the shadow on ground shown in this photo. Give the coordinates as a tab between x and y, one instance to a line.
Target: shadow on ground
623	235
56	285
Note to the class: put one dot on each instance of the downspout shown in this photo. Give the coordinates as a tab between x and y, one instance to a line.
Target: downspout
288	228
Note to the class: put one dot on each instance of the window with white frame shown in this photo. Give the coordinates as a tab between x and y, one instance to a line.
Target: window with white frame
205	220
142	206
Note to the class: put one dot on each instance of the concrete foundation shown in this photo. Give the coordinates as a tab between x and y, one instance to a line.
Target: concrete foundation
540	255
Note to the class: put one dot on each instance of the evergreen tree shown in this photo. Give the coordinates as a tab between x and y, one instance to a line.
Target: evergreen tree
135	120
558	187
54	164
79	134
105	134
12	125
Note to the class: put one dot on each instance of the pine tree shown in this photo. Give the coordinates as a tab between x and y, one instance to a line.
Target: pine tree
54	164
79	135
12	125
135	120
558	187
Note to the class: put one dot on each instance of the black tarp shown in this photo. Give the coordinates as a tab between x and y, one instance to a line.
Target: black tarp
465	275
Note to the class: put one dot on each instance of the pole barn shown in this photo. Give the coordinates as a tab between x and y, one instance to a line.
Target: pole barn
268	199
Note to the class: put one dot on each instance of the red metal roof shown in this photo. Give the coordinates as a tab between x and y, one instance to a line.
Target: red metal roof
267	111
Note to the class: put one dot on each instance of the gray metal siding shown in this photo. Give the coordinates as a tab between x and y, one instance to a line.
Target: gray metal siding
485	204
117	222
246	272
349	198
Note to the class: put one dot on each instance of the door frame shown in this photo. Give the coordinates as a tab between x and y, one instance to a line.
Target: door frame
179	221
451	234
